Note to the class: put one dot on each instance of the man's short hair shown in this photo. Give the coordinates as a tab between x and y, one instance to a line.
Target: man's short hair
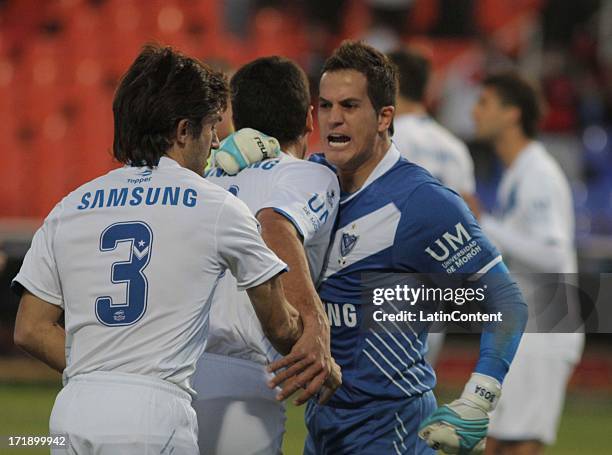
379	71
414	70
271	95
161	88
513	90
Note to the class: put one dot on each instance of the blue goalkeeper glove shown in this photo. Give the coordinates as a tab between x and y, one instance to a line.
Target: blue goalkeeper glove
461	426
244	147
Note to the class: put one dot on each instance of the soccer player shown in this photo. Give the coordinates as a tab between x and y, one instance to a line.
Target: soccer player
534	228
395	217
422	140
133	259
419	137
296	202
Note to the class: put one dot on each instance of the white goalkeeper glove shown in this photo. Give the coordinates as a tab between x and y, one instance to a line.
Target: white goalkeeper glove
244	147
461	426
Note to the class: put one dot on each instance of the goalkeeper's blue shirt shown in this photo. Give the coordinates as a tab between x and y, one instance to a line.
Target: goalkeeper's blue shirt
402	220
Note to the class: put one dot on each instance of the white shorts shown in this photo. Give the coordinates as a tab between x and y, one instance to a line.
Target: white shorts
532	396
237	412
105	413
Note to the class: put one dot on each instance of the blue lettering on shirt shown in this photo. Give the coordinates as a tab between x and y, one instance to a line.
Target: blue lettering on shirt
120	197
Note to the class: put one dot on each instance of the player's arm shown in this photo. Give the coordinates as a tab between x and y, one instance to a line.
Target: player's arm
461	426
37	331
256	268
310	360
463	423
541	254
543	247
279	320
36	328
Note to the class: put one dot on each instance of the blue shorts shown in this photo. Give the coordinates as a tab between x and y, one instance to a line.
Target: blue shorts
389	428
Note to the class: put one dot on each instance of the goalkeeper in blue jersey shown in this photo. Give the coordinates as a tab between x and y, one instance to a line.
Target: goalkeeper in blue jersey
395	218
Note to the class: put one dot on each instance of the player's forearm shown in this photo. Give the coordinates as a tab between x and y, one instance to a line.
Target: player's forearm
536	253
46	342
38	333
285	333
282	326
281	237
280	321
500	340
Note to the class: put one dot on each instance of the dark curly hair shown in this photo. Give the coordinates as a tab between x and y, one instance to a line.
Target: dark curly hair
161	88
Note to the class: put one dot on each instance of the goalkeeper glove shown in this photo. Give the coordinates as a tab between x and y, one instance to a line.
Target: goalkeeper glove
461	426
244	147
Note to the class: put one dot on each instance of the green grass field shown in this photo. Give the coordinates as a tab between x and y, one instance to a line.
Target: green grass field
585	428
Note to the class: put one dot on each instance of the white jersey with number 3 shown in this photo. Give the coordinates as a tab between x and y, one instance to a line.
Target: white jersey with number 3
307	194
133	258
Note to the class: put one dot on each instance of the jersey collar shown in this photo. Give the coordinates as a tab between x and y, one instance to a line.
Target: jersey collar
166	162
523	160
392	156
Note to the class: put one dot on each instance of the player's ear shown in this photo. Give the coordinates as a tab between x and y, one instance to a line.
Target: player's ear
182	132
385	118
309	121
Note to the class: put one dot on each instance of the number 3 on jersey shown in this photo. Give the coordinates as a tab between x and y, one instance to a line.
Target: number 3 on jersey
139	235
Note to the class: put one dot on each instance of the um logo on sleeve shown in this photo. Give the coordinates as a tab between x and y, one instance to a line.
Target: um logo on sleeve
454	250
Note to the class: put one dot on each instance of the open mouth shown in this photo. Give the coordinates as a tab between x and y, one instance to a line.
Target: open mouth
338	140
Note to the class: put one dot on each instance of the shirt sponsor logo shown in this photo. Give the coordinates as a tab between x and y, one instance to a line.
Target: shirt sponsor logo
341	314
138	195
454	250
316	211
144	176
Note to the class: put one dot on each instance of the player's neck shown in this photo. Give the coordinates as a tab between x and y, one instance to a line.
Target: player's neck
352	179
296	149
509	145
407	107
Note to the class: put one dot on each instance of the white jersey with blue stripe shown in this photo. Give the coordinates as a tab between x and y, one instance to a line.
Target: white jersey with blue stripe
534	228
307	195
402	220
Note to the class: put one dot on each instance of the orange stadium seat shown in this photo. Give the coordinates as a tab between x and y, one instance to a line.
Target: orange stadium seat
12	198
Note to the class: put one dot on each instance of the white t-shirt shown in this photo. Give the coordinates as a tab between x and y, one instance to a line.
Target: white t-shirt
307	194
534	230
157	239
420	139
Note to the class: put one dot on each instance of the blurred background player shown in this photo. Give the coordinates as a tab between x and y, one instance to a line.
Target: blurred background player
133	259
534	229
296	203
419	137
422	140
392	214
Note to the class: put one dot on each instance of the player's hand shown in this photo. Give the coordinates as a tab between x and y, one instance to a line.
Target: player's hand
244	147
461	426
310	366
